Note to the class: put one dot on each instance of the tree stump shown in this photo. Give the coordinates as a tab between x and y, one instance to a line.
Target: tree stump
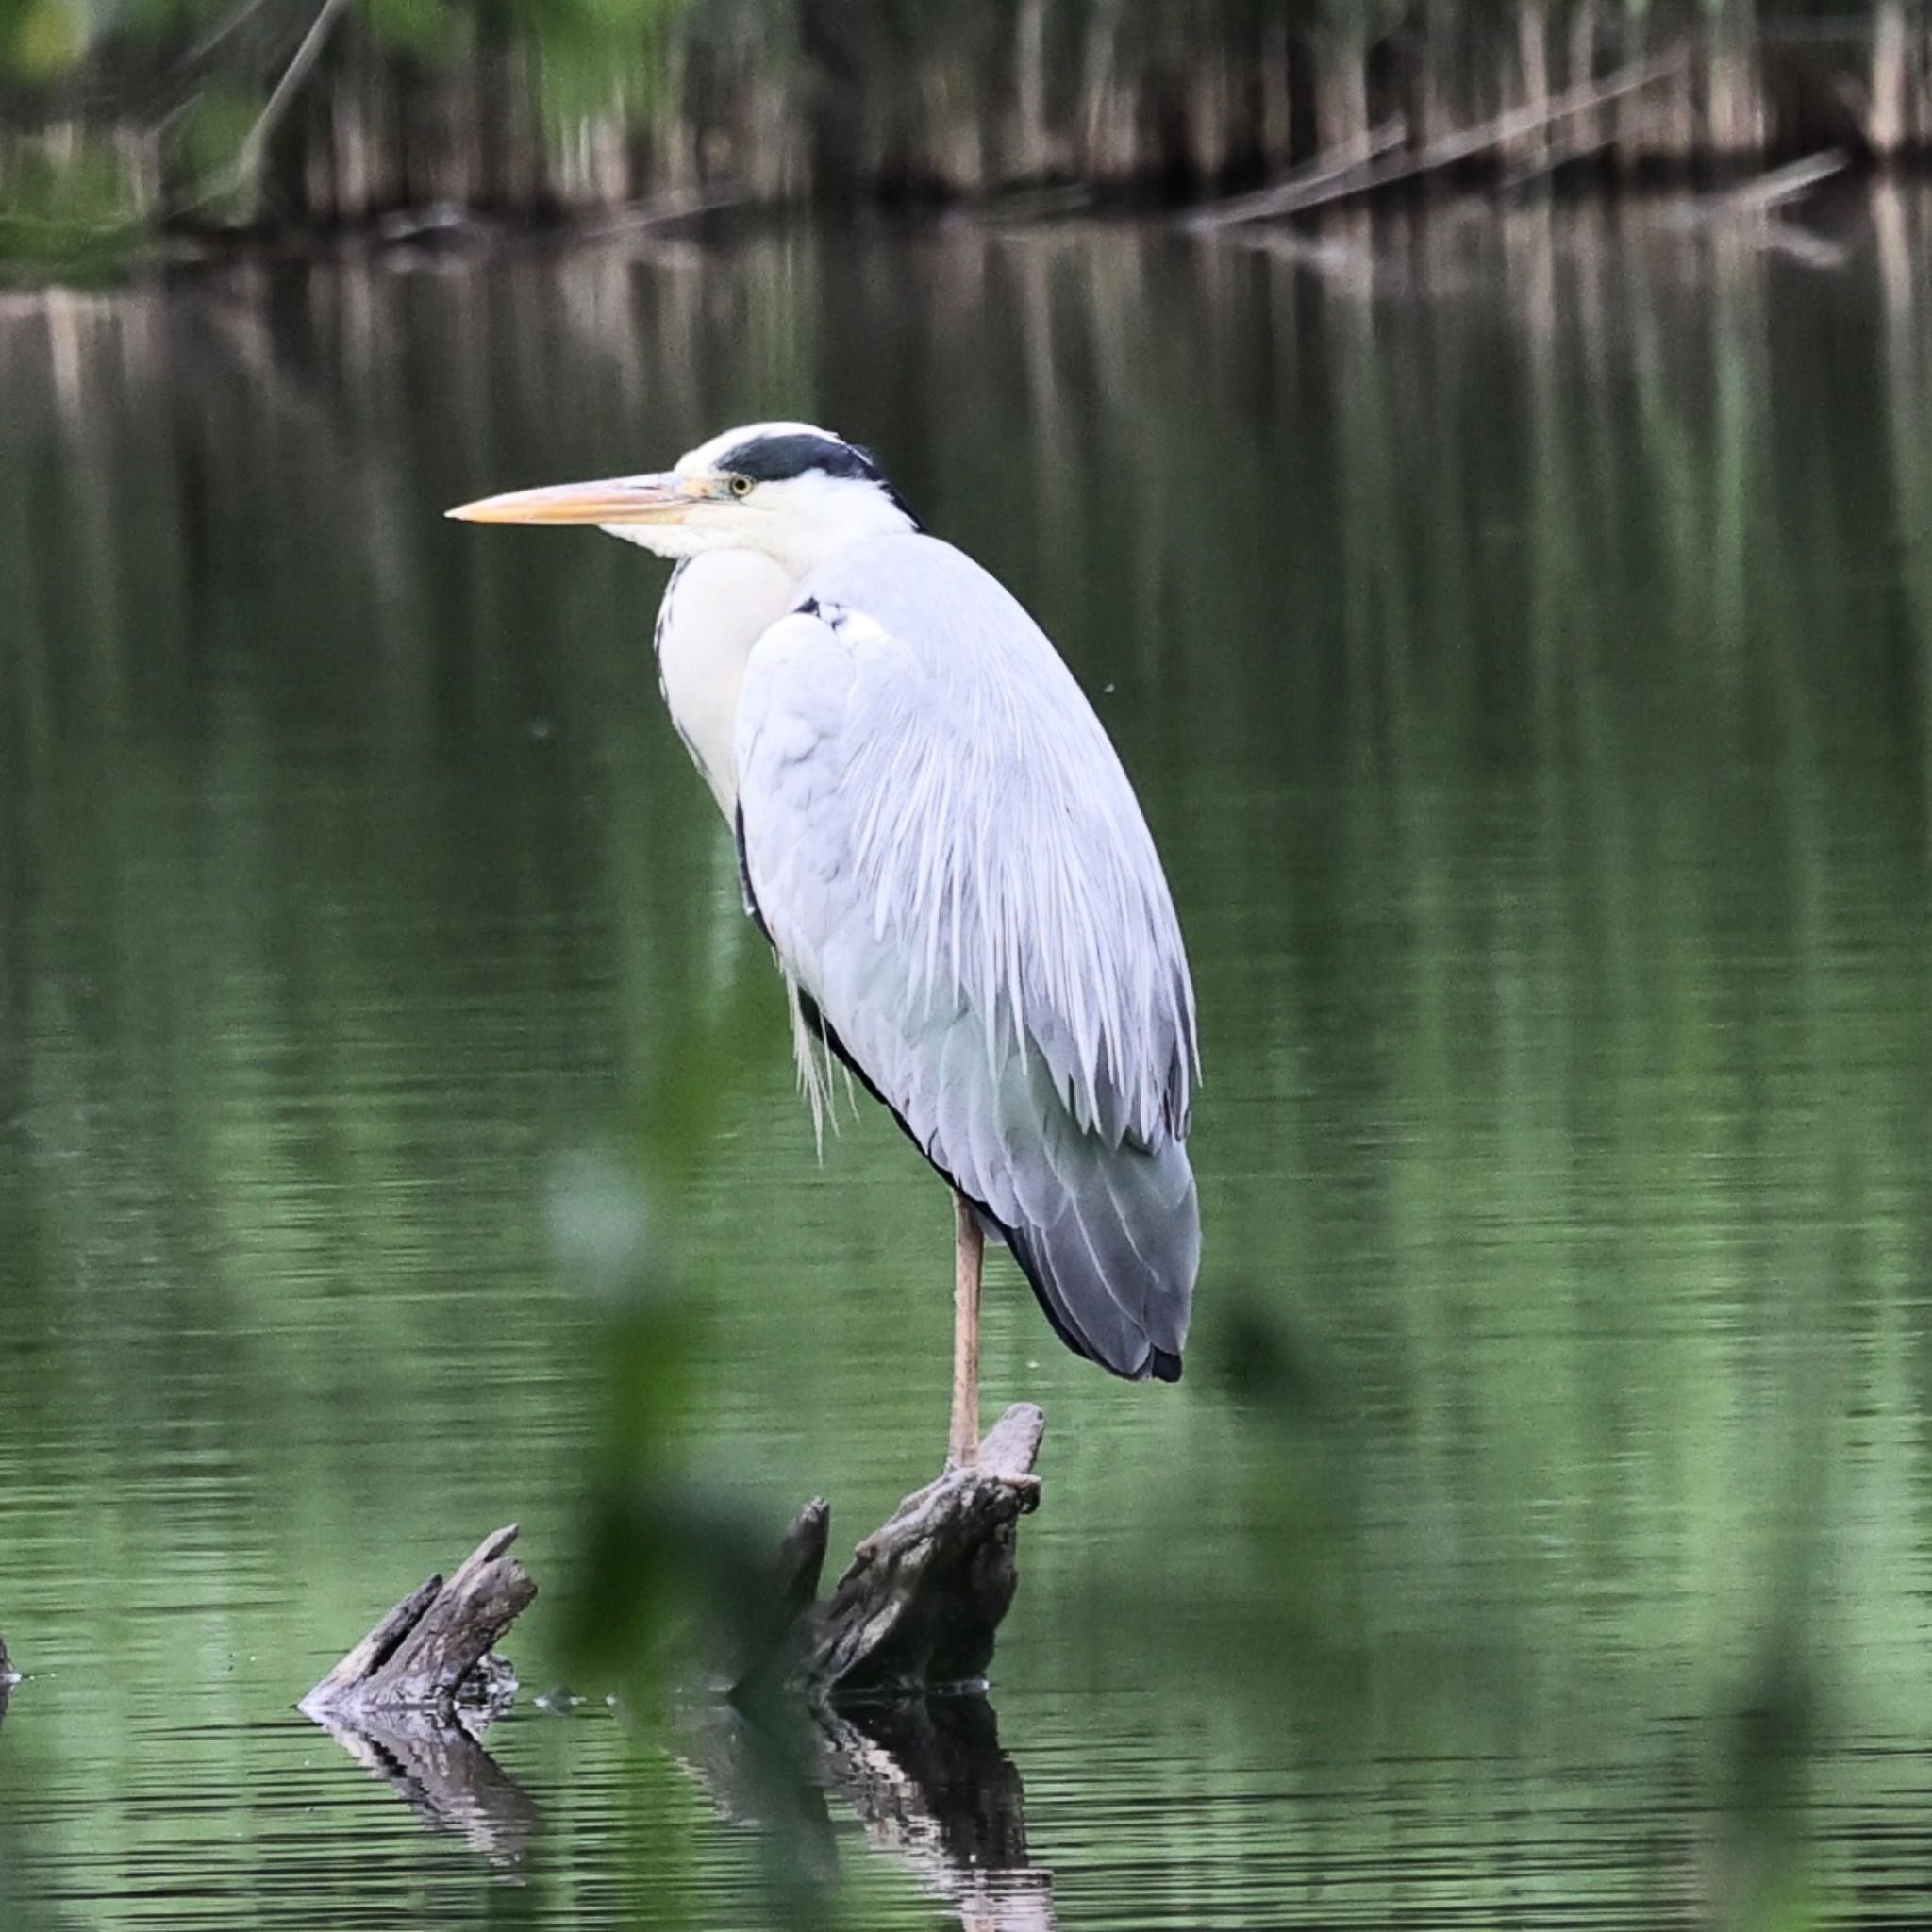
432	1652
408	1701
921	1601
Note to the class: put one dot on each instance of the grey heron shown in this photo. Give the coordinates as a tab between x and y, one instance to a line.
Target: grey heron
936	838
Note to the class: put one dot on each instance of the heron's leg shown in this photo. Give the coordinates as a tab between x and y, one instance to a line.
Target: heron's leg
969	1244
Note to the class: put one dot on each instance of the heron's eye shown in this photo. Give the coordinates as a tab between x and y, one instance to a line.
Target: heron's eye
740	485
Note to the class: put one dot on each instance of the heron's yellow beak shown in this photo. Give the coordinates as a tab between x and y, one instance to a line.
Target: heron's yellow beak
662	499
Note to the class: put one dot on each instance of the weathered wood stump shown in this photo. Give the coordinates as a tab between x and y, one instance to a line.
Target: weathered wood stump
921	1601
432	1652
917	1610
408	1701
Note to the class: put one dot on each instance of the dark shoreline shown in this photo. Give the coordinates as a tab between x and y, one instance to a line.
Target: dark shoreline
426	235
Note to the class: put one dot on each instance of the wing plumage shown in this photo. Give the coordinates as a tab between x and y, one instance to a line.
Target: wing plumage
951	866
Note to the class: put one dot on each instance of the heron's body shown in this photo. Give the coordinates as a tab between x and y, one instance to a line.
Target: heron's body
941	846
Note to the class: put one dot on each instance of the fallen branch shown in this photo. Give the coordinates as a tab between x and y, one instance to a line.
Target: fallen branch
921	1601
1766	192
1567	149
247	164
431	1653
1284	195
1502	130
1751	210
663	212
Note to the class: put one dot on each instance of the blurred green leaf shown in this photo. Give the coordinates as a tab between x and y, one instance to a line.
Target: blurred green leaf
211	130
45	38
422	27
76	217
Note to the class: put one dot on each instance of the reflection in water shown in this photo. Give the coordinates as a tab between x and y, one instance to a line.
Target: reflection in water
926	1778
931	1785
441	1772
1520	628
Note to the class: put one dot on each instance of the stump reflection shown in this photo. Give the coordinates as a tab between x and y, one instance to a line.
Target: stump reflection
932	1786
439	1769
926	1777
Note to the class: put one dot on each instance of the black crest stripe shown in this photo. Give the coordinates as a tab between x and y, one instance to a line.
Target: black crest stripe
798	453
773	459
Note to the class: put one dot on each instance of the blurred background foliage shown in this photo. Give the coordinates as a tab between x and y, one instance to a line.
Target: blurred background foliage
118	117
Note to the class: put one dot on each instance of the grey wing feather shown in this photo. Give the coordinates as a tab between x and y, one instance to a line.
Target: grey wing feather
950	861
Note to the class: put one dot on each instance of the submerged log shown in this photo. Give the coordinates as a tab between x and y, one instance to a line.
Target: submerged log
432	1652
921	1601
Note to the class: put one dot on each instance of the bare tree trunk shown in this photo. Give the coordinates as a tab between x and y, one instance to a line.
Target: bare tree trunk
1108	148
1029	90
1533	55
1885	122
1580	67
1209	122
1433	112
1341	94
349	145
1732	119
1670	133
674	157
1276	128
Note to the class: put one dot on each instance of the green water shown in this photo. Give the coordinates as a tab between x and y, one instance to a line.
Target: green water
1518	628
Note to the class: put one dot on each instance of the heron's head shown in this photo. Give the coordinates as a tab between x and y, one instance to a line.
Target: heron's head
794	491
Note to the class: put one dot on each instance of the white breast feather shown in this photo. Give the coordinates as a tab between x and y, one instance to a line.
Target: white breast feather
715	608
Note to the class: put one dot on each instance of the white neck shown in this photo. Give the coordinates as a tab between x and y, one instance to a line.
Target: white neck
716	607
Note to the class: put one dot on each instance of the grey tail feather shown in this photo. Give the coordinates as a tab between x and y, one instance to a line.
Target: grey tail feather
1081	1303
